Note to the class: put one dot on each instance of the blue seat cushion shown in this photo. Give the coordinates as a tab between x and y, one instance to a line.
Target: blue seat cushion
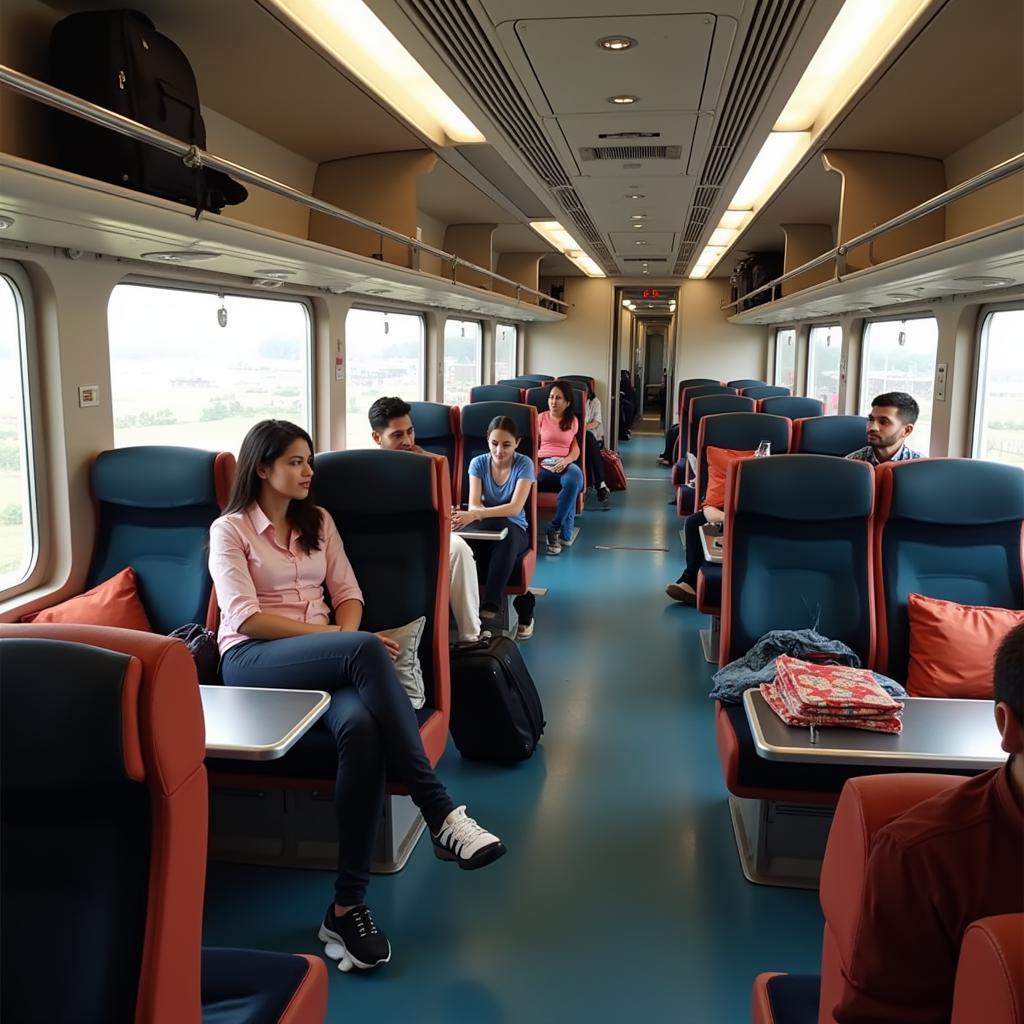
794	998
248	986
711	596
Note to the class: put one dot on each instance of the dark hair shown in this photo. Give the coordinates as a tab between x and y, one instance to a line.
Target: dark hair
266	441
384	410
591	394
565	423
905	405
503	423
1008	672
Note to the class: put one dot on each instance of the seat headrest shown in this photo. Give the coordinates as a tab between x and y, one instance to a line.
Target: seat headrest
742	431
68	715
707	405
804	487
431	419
359	481
155	476
953	492
477	417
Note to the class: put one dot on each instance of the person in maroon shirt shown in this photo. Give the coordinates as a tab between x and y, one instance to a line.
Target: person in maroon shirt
943	864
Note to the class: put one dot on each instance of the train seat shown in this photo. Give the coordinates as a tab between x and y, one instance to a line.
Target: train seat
948	529
154	507
538	398
793	406
438	432
829	435
581	380
123	863
759	391
687	395
540	378
475	419
990	976
706	405
743	383
495	393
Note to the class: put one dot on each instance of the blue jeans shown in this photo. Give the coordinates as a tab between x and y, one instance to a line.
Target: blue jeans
374	727
570	483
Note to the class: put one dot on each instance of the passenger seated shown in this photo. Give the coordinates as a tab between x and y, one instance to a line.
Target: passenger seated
271	554
685	588
392	429
943	864
558	452
667	457
594	442
890	422
499	486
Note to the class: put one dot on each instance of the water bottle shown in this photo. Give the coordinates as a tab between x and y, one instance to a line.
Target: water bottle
764	449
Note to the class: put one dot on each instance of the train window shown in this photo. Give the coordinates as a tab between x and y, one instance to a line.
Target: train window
785	357
384	353
899	355
506	339
999	420
18	509
462	346
823	355
199	368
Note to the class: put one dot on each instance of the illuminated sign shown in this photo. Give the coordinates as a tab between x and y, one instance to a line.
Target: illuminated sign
652	293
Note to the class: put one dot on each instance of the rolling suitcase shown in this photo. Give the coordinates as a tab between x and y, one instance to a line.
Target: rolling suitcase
496	711
614	474
117	60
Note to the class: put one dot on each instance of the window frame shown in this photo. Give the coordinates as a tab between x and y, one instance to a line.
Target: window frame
515	349
865	332
166	284
480	350
981	367
775	368
39	517
810	351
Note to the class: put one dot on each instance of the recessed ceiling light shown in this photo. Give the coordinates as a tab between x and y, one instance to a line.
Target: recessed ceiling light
182	256
275	274
639	226
639	241
984	282
616	43
637	216
635	195
6	222
623	99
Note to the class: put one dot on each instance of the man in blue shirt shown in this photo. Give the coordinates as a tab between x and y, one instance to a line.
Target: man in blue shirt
890	422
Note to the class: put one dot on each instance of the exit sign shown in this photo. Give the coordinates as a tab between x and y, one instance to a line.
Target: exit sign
652	293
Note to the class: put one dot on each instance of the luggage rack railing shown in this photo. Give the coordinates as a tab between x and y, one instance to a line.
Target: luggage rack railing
194	157
1002	170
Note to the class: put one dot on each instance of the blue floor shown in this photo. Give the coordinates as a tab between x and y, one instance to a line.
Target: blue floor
621	898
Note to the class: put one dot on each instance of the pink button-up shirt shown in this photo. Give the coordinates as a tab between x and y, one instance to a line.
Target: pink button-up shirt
253	573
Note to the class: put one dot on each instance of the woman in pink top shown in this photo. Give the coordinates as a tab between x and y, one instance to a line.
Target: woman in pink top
272	554
558	452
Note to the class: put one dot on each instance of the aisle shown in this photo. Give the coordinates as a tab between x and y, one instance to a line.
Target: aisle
621	896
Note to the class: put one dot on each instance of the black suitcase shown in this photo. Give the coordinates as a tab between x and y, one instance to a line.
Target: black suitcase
758	269
496	711
117	60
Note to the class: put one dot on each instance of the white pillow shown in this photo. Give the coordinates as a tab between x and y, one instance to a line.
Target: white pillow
407	664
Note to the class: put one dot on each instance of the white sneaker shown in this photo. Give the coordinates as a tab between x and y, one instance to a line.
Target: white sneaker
524	632
461	839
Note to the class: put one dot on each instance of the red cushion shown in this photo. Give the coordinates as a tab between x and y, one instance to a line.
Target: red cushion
719	460
115	602
952	646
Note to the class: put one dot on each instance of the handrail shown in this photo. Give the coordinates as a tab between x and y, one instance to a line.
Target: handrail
996	173
194	157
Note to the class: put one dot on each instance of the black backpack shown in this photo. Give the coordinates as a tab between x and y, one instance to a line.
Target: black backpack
117	60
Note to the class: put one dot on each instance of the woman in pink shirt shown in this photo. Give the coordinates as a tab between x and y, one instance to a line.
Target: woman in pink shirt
272	554
558	452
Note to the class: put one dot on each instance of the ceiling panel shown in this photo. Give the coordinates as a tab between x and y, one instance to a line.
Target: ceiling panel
654	144
631	243
578	77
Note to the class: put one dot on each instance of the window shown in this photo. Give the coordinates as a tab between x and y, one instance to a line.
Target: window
461	360
199	368
18	510
384	354
506	338
899	355
823	356
999	418
785	358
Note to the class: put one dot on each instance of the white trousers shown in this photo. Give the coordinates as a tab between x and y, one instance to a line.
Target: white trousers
464	588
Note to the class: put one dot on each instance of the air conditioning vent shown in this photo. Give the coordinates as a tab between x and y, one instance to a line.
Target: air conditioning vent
629	135
631	152
645	259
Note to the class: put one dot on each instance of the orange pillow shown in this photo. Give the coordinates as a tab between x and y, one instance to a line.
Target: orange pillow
114	602
952	647
719	460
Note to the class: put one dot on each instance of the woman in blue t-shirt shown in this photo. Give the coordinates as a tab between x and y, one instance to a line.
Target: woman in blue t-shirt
499	486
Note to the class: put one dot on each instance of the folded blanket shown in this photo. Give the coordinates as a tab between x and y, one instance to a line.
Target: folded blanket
891	723
837	690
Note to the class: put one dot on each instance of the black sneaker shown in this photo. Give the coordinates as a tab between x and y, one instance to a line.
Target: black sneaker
553	541
603	494
353	939
461	839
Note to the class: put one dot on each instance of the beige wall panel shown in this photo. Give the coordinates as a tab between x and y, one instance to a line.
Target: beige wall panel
523	267
432	232
471	242
380	187
803	243
707	345
878	187
228	139
994	203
